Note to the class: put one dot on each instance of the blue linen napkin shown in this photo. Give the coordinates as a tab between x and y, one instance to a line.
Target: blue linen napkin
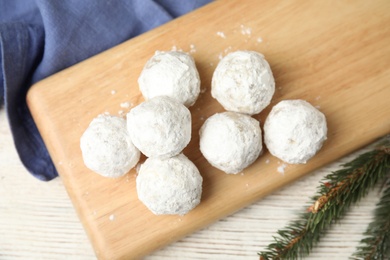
41	37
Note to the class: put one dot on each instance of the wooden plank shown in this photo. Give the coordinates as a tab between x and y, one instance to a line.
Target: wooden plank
334	54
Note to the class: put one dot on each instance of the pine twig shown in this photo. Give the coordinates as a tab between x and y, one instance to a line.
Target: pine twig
337	192
376	244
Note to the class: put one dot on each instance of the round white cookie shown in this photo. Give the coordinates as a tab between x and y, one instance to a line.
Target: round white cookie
107	148
243	82
160	127
169	186
230	141
294	131
172	74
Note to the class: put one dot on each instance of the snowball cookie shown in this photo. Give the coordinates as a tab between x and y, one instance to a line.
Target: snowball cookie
169	186
243	82
160	127
294	131
172	74
107	148
230	141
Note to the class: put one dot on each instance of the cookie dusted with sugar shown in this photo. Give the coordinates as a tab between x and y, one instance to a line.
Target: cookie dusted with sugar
230	141
169	186
160	127
173	74
107	148
294	131
243	82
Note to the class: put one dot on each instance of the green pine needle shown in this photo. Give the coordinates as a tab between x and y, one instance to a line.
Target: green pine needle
376	244
337	192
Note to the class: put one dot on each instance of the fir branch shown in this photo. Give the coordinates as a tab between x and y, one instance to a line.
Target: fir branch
376	244
338	191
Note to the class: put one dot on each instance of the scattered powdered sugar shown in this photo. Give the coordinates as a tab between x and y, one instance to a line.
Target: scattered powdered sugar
126	104
111	217
221	34
203	90
121	112
228	49
318	97
281	168
175	48
113	92
192	48
259	39
223	53
245	30
267	161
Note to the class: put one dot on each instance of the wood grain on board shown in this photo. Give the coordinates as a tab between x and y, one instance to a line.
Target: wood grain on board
334	54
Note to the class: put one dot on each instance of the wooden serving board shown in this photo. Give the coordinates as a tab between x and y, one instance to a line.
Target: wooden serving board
334	54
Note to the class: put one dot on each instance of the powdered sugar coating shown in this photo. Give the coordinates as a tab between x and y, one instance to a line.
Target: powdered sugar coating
294	131
173	74
230	141
243	82
106	147
160	127
169	186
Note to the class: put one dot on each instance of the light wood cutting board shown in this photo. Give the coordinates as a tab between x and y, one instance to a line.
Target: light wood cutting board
334	54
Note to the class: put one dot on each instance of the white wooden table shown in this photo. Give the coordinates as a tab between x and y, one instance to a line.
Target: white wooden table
38	221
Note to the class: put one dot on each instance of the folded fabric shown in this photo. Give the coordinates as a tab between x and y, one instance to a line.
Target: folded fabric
39	38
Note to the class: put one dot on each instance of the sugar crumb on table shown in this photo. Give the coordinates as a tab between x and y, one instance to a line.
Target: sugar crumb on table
221	34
